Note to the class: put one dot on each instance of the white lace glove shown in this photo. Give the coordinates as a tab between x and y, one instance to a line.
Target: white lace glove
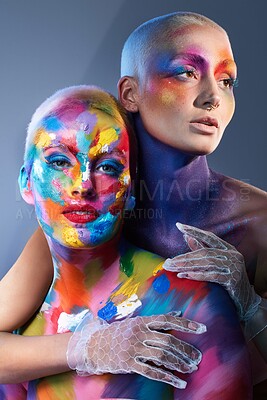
214	260
135	345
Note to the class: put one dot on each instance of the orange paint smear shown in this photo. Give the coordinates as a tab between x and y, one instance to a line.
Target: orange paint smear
71	288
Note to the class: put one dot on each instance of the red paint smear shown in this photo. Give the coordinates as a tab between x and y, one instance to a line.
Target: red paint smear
54	317
196	289
124	141
96	139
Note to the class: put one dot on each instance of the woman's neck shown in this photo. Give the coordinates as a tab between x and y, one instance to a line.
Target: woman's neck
104	255
83	278
165	173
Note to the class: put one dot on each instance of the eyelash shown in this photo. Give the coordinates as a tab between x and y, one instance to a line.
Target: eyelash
110	167
55	160
230	82
227	82
182	70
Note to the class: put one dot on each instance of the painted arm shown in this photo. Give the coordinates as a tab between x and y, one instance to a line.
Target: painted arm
25	285
127	346
24	358
214	260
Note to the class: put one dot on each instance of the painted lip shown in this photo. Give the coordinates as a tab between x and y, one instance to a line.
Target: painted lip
205	125
80	213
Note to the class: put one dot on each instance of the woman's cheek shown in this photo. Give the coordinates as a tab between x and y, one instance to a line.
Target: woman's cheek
106	185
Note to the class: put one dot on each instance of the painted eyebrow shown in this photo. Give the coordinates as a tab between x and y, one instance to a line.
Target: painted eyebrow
227	63
194	58
74	151
64	147
201	62
115	152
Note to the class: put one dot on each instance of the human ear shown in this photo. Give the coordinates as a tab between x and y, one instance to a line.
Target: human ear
25	185
128	93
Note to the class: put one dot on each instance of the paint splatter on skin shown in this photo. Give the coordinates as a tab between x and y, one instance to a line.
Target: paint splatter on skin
142	294
115	279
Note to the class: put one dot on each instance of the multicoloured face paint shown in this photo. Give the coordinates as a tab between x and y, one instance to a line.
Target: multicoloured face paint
80	176
81	158
186	71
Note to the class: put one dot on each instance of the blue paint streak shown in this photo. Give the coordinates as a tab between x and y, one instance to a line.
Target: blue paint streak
161	284
108	312
155	304
52	124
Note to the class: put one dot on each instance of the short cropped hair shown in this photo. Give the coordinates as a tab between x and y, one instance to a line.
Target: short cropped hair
147	36
73	97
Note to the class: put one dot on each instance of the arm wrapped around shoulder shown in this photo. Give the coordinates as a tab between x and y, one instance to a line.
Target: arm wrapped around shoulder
256	322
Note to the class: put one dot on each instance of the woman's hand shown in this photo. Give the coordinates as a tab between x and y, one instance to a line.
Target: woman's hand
135	345
214	260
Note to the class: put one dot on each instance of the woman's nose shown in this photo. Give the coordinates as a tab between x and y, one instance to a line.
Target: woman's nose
84	189
84	185
209	97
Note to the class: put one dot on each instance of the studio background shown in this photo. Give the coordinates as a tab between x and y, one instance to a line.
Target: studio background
45	46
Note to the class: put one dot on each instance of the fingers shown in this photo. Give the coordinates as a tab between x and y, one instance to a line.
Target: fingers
188	355
195	266
172	321
204	236
168	358
158	374
193	243
207	276
201	255
202	259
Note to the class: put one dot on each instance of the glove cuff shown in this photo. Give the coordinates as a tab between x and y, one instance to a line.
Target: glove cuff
257	321
77	351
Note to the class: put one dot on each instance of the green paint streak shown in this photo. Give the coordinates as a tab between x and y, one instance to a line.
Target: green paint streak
126	262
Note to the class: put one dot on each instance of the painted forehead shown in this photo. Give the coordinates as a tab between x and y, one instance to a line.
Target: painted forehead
78	126
188	40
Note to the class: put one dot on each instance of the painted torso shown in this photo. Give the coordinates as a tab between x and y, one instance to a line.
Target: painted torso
141	288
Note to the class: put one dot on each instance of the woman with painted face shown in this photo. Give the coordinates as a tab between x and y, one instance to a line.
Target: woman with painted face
114	324
178	78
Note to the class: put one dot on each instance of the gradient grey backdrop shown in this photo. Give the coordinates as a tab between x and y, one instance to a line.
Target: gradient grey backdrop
46	45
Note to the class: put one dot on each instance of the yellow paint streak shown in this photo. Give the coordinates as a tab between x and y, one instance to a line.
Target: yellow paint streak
158	268
35	327
124	180
167	96
146	264
127	289
106	137
70	236
42	138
